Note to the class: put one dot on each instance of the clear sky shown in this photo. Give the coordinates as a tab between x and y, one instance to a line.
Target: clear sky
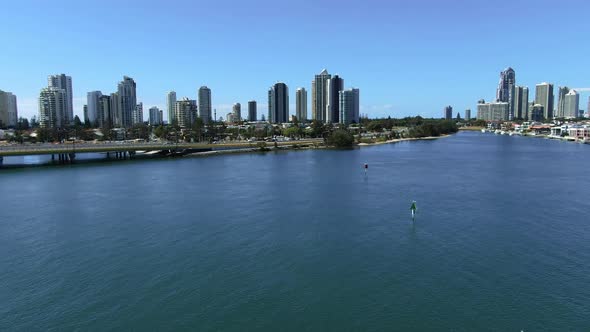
407	57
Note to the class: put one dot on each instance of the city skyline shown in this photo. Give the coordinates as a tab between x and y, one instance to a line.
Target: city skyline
448	54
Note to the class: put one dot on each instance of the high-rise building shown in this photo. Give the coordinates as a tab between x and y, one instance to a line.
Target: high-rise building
319	96
524	103
544	96
537	112
92	101
205	104
335	85
104	116
562	91
449	112
128	99
52	108
185	112
115	106
468	114
155	116
137	114
349	106
278	103
237	111
497	111
571	104
301	105
521	102
171	106
505	91
8	109
61	81
252	110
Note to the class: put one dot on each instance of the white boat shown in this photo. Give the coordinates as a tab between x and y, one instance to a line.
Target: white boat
483	130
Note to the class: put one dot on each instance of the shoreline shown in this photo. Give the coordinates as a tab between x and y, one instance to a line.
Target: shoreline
143	157
398	140
203	154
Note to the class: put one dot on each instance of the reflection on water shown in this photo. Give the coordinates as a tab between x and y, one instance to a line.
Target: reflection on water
46	159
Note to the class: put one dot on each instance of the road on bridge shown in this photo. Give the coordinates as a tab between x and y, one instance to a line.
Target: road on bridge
48	148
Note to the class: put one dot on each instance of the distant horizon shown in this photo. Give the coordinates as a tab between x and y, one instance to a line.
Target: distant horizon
406	59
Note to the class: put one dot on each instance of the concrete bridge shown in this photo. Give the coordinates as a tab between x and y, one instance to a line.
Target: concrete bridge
67	151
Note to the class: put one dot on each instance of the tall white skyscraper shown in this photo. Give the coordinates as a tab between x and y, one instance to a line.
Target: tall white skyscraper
205	104
155	116
349	106
61	81
8	109
571	105
319	96
52	108
186	112
92	101
171	106
128	100
562	91
137	114
237	112
301	105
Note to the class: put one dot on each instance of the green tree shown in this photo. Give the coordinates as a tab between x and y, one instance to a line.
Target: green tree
77	122
46	135
291	132
197	129
317	128
34	123
340	138
22	124
161	131
141	131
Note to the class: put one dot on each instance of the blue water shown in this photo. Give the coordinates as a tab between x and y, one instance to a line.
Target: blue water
304	240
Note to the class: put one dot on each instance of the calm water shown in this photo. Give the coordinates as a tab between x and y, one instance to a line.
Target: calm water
304	241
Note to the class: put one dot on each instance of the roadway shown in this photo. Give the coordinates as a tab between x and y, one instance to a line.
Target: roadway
65	148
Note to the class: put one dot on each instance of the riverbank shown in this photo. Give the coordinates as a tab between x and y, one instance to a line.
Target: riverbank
471	128
201	154
101	158
397	140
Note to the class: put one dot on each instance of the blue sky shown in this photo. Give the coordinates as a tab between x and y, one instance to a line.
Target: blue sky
407	57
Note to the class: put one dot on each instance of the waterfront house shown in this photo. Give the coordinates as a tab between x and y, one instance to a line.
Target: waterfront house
580	132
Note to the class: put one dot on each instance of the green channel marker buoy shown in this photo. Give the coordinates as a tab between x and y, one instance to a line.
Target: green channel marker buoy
413	209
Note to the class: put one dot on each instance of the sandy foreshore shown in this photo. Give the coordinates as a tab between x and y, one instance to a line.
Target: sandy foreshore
397	140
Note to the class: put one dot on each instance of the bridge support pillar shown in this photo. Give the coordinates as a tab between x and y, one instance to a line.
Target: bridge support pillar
72	157
52	157
1	161
131	154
